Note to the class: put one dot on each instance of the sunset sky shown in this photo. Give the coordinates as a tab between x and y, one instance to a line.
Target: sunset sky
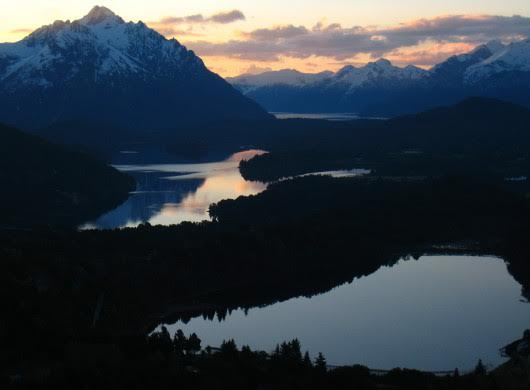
237	36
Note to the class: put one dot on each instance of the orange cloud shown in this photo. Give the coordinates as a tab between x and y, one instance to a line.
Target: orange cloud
445	35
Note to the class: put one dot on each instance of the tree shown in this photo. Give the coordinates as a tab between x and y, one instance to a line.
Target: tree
229	347
307	360
179	341
164	340
194	344
320	363
480	369
296	350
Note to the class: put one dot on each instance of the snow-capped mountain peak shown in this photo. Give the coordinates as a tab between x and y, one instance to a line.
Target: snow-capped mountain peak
101	39
495	46
290	77
378	71
514	57
101	54
99	15
382	62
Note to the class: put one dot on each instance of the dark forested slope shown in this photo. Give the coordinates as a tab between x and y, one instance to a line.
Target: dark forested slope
46	184
476	135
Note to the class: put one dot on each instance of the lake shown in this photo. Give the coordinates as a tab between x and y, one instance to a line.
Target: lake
435	313
169	194
325	116
340	116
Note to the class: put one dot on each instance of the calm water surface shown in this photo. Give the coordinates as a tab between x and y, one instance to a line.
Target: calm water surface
169	194
437	313
172	193
339	116
326	116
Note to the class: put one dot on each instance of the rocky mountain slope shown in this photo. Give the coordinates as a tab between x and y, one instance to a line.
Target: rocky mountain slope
382	89
102	69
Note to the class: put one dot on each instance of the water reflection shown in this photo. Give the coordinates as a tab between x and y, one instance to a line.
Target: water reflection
325	116
172	193
169	194
437	313
335	117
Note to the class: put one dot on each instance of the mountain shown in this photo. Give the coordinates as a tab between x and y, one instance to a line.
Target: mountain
45	184
375	73
292	77
102	69
514	57
326	92
380	89
452	70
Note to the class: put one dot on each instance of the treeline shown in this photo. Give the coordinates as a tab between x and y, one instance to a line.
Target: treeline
476	137
300	237
164	361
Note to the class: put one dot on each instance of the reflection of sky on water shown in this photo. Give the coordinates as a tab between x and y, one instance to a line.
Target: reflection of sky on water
172	193
168	194
437	313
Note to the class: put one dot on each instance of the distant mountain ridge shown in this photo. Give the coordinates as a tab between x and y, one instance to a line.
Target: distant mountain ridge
106	70
382	89
285	76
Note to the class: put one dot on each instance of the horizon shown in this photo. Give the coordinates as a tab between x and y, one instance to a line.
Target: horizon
241	38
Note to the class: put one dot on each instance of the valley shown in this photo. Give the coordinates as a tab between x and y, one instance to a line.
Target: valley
162	226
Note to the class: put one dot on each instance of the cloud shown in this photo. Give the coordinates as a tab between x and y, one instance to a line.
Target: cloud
22	31
166	25
341	43
254	69
279	32
227	17
436	53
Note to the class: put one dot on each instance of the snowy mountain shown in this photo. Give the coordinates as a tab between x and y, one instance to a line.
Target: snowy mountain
102	69
327	91
282	77
374	73
514	57
453	69
382	89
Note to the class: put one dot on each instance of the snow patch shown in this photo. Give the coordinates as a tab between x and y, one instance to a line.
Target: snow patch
513	57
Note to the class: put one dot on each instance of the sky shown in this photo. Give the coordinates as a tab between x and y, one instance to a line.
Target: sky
250	36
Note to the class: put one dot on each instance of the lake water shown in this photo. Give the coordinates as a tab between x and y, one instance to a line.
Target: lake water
437	313
328	116
169	194
339	116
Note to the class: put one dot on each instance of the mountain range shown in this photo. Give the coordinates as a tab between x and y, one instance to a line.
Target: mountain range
382	89
102	69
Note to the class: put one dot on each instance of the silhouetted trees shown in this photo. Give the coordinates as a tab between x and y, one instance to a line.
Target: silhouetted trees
480	369
320	363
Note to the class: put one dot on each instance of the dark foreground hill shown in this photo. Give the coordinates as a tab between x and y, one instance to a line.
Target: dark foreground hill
46	184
